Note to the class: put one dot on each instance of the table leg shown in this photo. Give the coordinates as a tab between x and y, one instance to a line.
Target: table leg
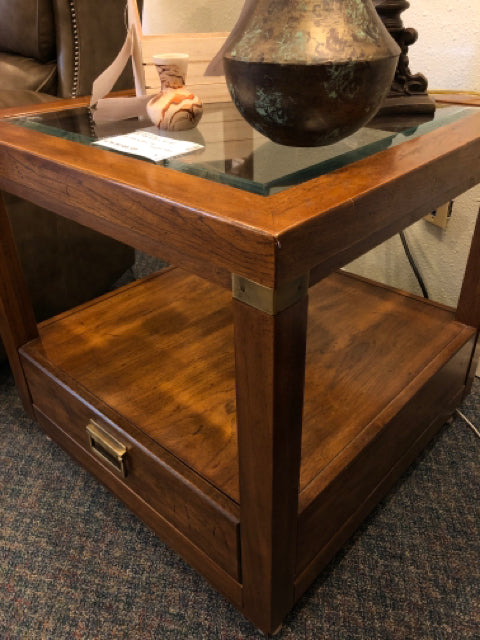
17	320
468	309
270	372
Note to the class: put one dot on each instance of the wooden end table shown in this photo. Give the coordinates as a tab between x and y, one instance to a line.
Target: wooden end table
254	403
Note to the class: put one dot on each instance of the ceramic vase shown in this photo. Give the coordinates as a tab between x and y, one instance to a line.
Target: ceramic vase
175	108
309	72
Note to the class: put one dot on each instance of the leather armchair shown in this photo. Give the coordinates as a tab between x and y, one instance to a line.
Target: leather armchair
52	49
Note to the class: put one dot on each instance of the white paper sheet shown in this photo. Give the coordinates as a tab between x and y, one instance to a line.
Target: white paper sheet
149	145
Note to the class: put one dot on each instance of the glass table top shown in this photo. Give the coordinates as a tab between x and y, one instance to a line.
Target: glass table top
234	153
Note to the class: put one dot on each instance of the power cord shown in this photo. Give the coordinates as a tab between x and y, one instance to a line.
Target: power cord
413	264
470	424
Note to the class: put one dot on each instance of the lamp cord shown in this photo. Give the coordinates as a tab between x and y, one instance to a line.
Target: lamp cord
470	424
413	265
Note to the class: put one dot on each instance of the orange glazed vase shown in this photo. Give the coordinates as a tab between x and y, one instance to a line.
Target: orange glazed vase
175	108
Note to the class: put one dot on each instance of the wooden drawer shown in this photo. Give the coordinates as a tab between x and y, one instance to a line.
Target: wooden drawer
200	513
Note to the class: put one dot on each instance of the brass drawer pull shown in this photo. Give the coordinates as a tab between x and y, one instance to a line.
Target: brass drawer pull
107	448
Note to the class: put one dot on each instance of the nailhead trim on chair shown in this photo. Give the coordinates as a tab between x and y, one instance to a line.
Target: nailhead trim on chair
76	49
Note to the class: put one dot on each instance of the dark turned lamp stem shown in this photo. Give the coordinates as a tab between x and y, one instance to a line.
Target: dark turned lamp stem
408	93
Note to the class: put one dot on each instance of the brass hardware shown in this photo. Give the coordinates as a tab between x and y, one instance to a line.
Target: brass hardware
271	301
107	448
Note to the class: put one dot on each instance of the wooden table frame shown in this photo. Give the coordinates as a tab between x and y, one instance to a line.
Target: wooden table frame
267	251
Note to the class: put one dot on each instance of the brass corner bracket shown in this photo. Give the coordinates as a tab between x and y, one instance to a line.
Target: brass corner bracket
266	299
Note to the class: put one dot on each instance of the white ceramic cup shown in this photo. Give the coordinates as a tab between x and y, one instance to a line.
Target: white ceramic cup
176	63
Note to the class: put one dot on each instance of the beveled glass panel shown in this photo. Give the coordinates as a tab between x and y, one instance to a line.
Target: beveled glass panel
234	153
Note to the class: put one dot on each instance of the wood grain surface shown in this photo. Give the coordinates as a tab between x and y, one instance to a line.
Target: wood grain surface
270	369
368	459
179	542
161	354
207	392
205	521
321	224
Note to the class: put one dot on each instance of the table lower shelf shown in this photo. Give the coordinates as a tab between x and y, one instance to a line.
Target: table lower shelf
153	363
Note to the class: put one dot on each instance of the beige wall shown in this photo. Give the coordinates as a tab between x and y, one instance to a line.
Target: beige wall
448	48
160	16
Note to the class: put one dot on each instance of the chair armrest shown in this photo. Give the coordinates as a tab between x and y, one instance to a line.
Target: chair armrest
20	73
19	97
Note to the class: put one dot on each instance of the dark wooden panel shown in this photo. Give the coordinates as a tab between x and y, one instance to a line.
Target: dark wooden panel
468	310
375	456
474	366
17	320
327	553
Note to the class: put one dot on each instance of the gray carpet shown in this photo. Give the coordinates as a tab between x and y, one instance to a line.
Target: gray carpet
75	564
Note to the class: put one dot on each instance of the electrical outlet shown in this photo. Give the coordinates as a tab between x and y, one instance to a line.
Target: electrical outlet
440	217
